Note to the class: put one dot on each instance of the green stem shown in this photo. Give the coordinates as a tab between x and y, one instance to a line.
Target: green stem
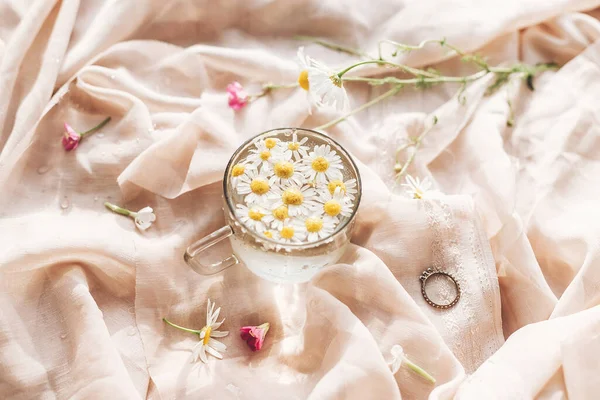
271	86
387	94
97	127
418	370
416	143
118	210
333	46
182	328
413	81
405	68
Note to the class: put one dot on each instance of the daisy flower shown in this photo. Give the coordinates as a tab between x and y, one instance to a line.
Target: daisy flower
286	171
336	204
319	228
417	189
276	217
325	86
322	164
256	185
292	231
207	334
263	154
348	187
238	170
298	199
297	148
252	217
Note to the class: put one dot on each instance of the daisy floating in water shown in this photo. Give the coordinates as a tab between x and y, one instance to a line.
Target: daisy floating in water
298	199
266	153
348	187
296	147
322	164
318	227
208	344
256	185
253	217
336	204
292	231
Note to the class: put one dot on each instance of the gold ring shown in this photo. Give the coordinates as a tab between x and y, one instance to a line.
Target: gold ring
428	273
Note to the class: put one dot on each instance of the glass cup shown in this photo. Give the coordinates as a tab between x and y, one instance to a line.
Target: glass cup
265	257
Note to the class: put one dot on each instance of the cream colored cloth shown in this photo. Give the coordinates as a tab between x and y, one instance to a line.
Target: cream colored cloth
83	293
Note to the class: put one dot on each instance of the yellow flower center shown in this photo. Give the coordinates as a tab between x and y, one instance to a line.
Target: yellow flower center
265	155
336	80
207	331
270	143
313	224
292	197
284	169
334	184
287	232
268	234
293	146
332	208
280	213
238	170
259	186
303	80
255	215
320	164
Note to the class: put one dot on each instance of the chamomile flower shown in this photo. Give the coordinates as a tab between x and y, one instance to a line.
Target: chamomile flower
252	217
298	199
264	153
256	185
325	86
207	334
296	147
334	205
318	227
276	216
286	171
420	189
322	164
292	231
348	187
238	170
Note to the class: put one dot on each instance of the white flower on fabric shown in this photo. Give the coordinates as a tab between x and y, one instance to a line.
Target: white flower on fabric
207	344
397	358
323	84
291	231
265	153
144	218
348	187
238	170
318	227
335	205
298	199
417	189
295	147
256	185
253	217
322	164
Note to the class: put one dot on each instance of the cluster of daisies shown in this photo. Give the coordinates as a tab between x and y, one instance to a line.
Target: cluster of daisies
292	193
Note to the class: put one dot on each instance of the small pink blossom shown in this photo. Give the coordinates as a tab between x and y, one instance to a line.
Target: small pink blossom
70	139
238	98
254	335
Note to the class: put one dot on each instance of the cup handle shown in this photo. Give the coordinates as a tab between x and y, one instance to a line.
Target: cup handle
196	248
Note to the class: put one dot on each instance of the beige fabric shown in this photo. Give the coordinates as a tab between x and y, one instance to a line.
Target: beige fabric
83	293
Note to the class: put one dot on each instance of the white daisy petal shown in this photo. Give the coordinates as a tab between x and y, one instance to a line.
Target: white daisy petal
202	354
213	352
215	344
219	333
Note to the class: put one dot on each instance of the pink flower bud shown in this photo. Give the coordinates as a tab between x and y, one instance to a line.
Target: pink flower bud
70	139
254	335
238	98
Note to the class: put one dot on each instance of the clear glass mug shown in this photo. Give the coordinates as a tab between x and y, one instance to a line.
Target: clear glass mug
267	258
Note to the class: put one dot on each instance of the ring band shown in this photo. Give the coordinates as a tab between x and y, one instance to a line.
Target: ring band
428	273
